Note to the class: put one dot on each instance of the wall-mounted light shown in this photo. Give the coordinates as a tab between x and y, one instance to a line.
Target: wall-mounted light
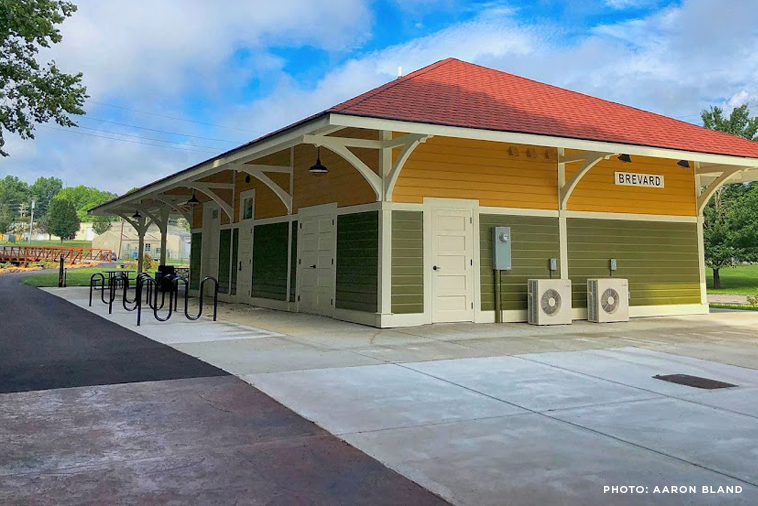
247	178
318	167
625	158
192	200
683	163
136	215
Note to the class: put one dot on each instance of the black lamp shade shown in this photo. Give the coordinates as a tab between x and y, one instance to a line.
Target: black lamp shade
683	163
192	200
625	158
136	215
318	167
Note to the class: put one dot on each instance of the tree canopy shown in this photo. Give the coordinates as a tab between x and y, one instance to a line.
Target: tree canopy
84	198
31	92
62	219
43	190
730	229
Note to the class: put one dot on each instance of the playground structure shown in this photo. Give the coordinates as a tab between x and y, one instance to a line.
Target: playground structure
20	255
147	289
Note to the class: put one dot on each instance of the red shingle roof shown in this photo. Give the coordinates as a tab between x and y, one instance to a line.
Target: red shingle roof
456	93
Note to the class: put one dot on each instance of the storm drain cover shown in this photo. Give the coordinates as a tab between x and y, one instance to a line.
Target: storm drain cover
693	381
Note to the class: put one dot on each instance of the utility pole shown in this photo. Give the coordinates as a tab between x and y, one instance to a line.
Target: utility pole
31	222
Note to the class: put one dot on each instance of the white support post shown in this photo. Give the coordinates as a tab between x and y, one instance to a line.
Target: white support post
385	232
163	226
562	224
141	231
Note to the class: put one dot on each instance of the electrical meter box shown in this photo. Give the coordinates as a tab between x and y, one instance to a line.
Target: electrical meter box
501	248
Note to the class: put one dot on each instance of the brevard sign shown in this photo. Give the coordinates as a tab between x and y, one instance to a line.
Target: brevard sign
648	180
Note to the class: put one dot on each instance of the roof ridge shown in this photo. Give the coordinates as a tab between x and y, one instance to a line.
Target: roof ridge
386	86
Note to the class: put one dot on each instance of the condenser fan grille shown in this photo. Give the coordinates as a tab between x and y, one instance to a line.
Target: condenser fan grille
610	301
550	302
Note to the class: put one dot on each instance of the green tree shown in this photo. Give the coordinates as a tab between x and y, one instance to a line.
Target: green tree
738	123
6	218
84	198
101	224
43	190
729	229
62	219
14	193
30	92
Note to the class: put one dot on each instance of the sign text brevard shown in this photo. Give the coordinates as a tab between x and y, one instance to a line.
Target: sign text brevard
630	179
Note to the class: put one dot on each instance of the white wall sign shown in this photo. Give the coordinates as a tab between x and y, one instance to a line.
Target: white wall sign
630	179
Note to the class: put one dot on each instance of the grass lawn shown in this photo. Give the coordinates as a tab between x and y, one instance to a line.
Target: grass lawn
75	277
71	244
742	280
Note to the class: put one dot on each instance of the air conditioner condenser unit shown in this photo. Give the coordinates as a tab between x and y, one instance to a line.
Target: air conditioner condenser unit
608	300
549	301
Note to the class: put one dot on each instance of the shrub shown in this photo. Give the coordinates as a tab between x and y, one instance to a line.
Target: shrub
752	300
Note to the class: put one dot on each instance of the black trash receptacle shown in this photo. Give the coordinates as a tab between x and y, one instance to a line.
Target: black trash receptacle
164	277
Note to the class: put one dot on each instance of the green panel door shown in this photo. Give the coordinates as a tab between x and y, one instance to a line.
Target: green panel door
270	256
358	262
196	248
407	262
235	260
224	251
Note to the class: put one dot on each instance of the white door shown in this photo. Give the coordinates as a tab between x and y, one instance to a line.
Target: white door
317	244
452	265
211	229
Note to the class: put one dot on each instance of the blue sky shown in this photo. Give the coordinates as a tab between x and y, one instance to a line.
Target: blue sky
173	82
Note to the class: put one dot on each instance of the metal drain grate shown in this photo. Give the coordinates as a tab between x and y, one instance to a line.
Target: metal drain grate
693	381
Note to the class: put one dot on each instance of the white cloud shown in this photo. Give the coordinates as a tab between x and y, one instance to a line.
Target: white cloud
676	61
133	48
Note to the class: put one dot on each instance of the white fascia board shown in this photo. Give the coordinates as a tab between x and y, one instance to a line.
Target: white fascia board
536	140
265	147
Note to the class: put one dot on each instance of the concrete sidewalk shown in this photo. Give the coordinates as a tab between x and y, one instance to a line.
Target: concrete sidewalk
493	414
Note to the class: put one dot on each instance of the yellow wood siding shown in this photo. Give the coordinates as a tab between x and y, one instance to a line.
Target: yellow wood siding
497	174
598	192
343	184
267	204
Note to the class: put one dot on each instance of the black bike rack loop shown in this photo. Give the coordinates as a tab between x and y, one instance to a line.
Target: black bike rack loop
150	282
92	285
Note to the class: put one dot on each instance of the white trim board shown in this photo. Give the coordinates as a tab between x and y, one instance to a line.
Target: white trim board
411	127
629	217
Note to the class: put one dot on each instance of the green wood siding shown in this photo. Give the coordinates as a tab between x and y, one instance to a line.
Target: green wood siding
407	262
293	263
224	250
270	261
659	259
196	249
534	241
357	261
235	260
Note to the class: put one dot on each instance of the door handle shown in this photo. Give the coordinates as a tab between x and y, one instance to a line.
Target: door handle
437	268
312	266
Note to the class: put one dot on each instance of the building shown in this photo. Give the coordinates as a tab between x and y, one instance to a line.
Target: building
380	210
123	239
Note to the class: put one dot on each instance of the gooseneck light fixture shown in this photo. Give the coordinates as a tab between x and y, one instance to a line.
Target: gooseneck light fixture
136	215
192	200
318	167
683	163
624	158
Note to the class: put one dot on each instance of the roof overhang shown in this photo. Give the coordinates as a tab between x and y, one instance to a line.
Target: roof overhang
536	140
708	164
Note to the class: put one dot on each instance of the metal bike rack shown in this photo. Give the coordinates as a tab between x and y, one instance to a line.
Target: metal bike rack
146	290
